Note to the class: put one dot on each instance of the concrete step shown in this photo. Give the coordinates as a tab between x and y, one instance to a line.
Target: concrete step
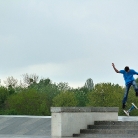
109	131
112	127
108	136
135	123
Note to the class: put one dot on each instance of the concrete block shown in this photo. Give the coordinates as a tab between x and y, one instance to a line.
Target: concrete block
67	121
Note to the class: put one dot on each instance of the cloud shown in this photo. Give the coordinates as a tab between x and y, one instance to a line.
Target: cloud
68	40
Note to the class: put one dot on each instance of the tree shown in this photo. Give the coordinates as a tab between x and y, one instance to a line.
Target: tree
65	99
46	86
106	95
81	95
11	82
28	102
89	84
30	79
63	86
3	96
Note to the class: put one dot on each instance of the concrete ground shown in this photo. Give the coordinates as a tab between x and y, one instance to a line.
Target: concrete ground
25	126
127	118
33	126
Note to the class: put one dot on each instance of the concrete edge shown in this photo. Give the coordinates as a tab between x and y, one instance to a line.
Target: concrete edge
84	109
25	116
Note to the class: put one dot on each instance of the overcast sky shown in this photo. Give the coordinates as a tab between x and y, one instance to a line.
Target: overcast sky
68	40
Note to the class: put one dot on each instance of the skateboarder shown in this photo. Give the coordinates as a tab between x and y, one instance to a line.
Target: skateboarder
129	80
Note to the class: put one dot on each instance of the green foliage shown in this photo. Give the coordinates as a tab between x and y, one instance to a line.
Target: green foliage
9	112
132	99
38	97
28	102
62	86
11	90
65	99
3	95
46	86
19	89
81	96
106	95
137	80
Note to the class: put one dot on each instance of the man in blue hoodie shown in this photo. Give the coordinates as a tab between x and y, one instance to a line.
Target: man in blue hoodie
129	80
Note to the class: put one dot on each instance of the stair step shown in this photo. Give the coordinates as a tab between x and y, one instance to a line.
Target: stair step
108	136
116	123
112	127
109	131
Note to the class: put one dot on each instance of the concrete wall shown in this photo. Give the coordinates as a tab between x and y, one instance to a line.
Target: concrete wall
67	121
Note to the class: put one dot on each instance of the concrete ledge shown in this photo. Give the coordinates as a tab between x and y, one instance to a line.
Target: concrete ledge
83	109
67	121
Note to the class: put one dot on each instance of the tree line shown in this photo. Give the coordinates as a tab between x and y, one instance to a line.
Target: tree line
36	96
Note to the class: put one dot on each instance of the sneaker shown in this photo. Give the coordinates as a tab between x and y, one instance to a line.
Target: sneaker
134	105
126	112
123	106
136	93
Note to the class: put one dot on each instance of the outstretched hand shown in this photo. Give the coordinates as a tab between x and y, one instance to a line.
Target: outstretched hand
115	68
113	64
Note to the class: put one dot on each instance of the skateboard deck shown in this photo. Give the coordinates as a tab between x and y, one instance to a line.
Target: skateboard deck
134	106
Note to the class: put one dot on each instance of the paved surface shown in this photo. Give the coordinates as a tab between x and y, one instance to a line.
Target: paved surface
33	126
128	118
21	136
25	126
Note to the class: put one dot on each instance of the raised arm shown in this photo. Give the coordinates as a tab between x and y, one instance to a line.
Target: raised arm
135	72
116	70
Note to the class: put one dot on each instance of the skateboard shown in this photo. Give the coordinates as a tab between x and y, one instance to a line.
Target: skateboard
130	109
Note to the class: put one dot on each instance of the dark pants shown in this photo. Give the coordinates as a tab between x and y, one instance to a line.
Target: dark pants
127	90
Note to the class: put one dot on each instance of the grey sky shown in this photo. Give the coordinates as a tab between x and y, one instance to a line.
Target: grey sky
68	40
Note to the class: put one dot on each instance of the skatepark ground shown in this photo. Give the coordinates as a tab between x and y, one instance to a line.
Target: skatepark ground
33	126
